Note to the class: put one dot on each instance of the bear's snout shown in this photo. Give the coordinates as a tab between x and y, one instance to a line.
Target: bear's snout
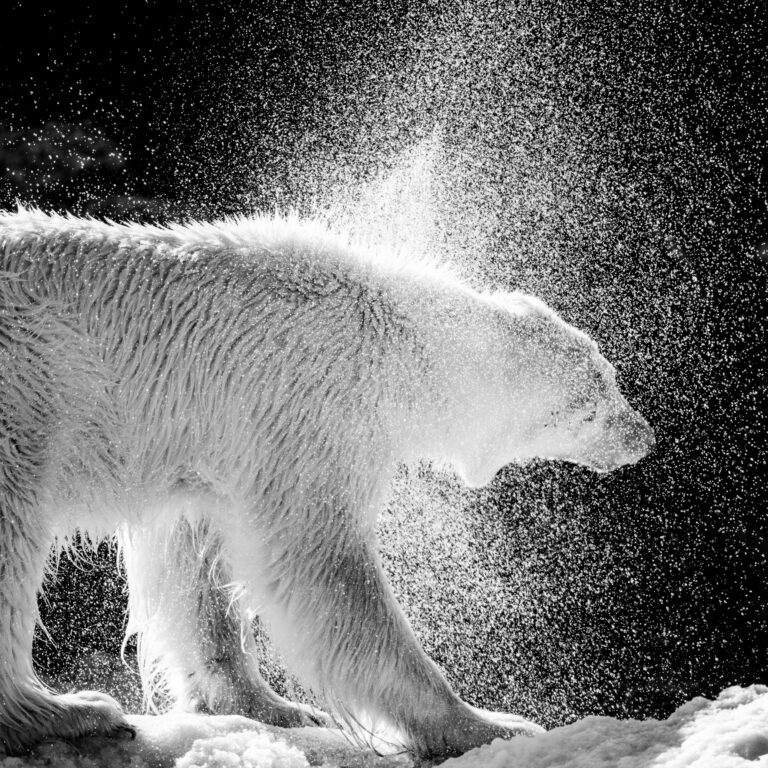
625	438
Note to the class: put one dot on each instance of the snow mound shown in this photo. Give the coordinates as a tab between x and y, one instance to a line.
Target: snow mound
284	748
730	732
242	750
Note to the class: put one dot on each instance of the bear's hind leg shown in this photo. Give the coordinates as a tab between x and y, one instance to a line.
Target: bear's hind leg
29	712
196	646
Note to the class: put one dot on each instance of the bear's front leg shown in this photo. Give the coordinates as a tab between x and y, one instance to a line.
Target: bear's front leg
322	591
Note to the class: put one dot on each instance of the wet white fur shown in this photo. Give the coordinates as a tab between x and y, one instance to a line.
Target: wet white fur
233	398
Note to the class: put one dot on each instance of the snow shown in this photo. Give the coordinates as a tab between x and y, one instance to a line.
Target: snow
181	740
730	732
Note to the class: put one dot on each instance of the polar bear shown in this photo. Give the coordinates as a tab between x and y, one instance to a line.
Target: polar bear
233	399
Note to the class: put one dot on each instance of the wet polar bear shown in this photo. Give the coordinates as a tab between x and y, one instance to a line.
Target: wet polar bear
233	399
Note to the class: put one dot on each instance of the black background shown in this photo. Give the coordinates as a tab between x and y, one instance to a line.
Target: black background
649	585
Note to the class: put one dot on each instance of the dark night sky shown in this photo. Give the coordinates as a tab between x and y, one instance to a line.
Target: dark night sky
115	65
109	62
100	61
151	77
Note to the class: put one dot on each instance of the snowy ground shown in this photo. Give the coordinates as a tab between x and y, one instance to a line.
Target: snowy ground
730	732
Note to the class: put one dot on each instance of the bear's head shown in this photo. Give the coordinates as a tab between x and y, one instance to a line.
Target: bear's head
527	385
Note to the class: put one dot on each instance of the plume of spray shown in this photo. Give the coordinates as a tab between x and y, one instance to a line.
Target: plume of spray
549	147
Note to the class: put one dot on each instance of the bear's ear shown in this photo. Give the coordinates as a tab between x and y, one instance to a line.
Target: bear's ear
521	317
